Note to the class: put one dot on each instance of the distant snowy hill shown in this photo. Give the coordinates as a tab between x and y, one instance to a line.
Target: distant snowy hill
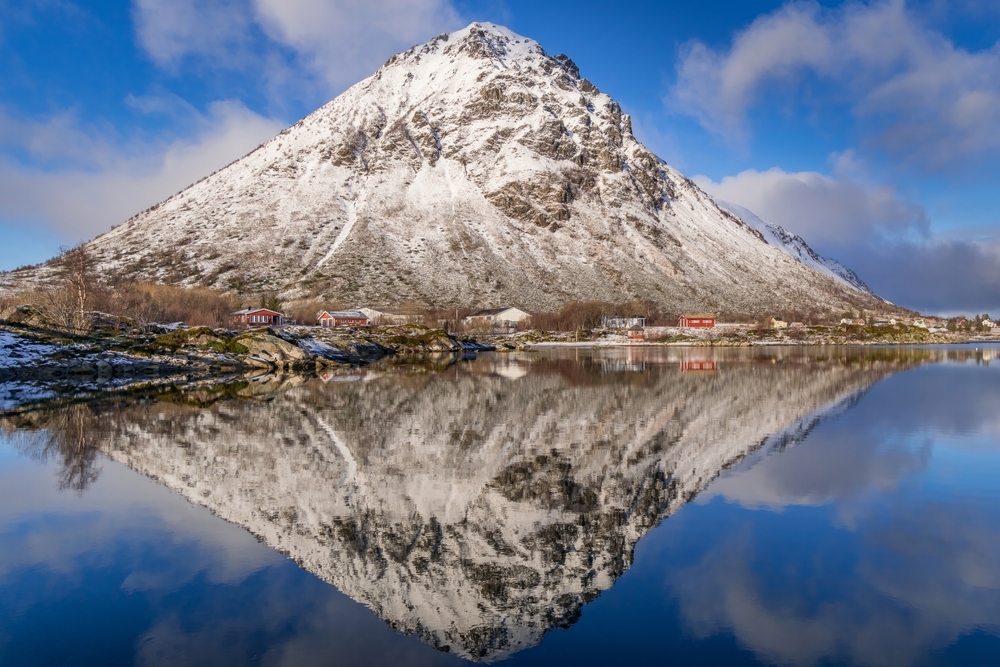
474	170
796	247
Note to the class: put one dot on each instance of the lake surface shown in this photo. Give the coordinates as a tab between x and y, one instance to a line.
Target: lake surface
789	506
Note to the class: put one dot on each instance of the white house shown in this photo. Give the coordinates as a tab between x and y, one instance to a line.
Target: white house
622	322
507	317
388	317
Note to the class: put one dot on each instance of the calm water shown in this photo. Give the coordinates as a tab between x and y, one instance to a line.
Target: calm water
686	507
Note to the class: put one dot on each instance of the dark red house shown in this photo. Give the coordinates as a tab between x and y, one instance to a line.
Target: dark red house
257	317
342	318
702	320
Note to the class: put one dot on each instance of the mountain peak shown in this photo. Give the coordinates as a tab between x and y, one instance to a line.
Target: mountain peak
473	170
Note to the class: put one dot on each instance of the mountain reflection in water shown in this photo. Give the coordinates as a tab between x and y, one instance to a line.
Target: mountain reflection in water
481	505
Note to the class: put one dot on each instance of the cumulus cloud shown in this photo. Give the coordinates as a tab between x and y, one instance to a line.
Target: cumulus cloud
829	212
917	95
346	40
99	180
172	30
330	44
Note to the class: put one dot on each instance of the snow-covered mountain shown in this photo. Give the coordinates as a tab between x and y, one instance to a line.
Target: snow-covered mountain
797	248
481	508
475	169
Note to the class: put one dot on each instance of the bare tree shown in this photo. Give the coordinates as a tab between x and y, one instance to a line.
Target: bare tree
76	286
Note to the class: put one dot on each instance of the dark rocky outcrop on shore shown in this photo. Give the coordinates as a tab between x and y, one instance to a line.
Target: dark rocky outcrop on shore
38	362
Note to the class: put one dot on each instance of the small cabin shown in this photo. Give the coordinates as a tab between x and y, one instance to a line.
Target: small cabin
635	332
342	318
257	317
697	320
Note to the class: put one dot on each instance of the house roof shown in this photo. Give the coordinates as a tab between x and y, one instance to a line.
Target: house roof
345	314
486	312
489	311
250	311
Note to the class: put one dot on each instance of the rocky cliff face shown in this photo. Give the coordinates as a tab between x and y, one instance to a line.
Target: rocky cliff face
475	169
478	507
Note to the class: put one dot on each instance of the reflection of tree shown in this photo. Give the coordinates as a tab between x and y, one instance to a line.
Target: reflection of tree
72	436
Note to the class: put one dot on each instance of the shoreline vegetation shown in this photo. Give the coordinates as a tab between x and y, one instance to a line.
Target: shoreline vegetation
28	349
81	329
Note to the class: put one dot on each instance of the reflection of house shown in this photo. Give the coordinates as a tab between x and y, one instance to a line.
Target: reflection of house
635	332
497	317
260	317
621	322
697	320
342	318
778	324
696	365
353	375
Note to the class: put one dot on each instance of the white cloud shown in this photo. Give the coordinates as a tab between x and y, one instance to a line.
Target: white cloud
170	30
917	94
292	44
346	40
829	212
100	181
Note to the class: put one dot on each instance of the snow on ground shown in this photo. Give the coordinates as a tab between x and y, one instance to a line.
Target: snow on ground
14	394
20	351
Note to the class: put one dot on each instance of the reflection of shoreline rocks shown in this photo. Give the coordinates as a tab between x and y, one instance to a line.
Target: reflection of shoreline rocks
39	363
478	507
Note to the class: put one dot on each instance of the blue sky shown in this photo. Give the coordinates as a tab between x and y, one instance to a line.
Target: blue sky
870	128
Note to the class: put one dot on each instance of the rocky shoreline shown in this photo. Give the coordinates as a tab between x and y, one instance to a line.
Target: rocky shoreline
37	362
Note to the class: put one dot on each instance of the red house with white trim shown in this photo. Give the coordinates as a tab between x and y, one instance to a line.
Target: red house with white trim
257	317
698	320
342	318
